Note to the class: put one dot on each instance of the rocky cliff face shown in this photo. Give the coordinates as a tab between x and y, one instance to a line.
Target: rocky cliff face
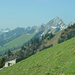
56	23
53	26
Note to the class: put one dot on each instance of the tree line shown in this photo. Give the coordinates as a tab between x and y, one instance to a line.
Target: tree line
29	49
68	33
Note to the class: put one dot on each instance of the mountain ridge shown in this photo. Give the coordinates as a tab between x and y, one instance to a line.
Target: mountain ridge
39	31
53	26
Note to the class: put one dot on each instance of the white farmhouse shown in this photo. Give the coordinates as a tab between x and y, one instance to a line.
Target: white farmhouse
10	63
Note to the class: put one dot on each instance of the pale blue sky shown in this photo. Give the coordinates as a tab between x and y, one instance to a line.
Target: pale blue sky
24	13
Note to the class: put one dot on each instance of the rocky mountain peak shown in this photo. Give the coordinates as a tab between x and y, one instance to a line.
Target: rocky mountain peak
71	23
53	26
56	22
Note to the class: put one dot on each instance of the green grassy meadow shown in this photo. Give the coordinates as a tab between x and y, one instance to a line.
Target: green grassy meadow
57	60
17	42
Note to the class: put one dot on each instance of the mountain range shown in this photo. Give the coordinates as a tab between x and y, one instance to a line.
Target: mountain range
53	26
7	35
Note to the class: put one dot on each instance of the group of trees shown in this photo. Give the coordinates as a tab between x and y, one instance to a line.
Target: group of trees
32	47
68	33
27	50
47	36
2	62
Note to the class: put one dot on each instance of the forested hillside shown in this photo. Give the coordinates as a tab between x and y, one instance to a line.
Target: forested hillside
68	33
57	60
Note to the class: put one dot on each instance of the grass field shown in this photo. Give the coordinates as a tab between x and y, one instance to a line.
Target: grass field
17	42
57	60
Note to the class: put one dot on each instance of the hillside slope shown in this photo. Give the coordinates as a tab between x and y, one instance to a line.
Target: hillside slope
17	42
57	60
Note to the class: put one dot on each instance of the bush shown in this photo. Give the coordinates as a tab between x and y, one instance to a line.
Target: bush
2	62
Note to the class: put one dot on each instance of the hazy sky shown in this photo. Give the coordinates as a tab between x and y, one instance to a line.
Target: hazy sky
24	13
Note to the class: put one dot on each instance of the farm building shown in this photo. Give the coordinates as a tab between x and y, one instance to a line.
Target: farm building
10	63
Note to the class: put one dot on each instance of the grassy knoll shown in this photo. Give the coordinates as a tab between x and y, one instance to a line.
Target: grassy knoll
57	60
17	42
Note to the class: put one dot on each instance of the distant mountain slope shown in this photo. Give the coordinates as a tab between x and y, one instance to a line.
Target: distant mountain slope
12	34
16	43
58	60
4	30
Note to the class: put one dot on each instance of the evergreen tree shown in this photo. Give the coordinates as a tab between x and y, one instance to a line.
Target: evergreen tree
2	62
9	53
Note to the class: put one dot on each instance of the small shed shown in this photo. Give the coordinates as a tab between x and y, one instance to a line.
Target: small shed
10	63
